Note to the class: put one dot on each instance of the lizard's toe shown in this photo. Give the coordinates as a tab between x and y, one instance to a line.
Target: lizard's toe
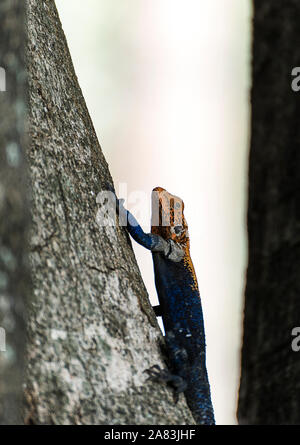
158	374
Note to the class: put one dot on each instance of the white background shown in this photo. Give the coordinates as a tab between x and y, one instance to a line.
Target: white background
167	86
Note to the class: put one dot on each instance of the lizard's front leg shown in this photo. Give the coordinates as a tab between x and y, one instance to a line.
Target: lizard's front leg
150	241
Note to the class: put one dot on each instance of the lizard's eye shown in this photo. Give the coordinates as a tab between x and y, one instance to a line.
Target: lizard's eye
178	230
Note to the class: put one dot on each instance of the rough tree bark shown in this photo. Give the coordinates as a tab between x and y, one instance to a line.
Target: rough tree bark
270	387
91	330
14	214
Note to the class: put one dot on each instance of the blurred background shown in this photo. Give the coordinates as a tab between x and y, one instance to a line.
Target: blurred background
167	86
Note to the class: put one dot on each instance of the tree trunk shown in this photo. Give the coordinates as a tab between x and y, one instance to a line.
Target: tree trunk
270	388
14	214
91	329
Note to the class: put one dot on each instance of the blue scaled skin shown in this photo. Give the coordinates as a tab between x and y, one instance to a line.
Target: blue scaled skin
179	298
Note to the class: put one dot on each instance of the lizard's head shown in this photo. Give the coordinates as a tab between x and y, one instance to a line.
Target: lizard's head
168	219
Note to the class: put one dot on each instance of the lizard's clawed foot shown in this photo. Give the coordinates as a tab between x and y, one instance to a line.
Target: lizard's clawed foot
164	375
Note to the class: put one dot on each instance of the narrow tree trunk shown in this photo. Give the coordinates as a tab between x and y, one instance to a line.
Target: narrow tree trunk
270	388
14	215
91	329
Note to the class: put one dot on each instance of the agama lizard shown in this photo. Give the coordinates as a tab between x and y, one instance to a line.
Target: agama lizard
179	297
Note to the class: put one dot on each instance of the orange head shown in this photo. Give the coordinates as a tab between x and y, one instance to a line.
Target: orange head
169	222
168	219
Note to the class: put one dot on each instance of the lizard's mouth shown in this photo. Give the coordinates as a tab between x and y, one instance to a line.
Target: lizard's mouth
158	189
167	218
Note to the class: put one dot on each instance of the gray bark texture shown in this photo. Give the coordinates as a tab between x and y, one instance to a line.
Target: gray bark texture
14	214
270	386
91	329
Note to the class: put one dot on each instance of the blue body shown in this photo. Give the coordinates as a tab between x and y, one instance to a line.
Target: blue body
182	315
181	311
